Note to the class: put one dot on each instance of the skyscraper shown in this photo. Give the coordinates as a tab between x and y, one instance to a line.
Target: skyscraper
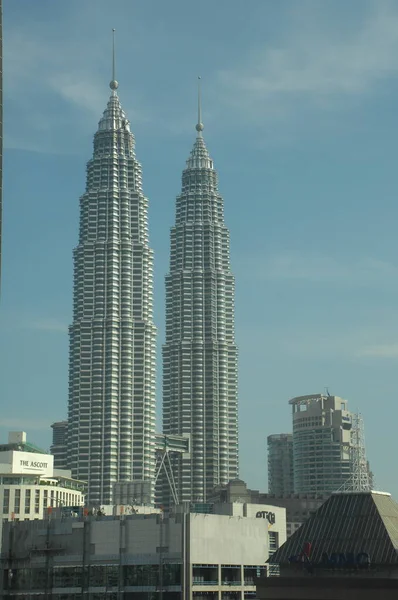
280	464
111	419
328	446
59	448
199	354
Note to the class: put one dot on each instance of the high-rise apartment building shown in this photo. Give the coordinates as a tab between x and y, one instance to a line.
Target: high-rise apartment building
280	464
59	448
111	419
200	354
328	446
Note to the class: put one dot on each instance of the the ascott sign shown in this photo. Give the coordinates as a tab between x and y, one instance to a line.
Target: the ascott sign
32	463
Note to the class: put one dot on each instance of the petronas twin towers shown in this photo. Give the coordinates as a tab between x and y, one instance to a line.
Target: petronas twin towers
111	418
200	355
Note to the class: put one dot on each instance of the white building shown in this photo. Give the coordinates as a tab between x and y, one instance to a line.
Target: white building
111	416
187	556
29	484
200	392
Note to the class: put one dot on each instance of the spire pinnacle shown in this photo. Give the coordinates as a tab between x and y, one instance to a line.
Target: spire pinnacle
113	84
199	125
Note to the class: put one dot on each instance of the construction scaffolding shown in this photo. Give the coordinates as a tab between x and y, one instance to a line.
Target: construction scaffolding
360	480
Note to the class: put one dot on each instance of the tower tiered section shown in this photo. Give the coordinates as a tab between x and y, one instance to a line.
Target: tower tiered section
200	354
111	419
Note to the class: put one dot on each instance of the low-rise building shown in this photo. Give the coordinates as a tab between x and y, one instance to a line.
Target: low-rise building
214	554
347	550
29	484
299	507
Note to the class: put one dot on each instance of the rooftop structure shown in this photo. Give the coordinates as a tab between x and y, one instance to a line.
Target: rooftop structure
17	440
363	522
347	550
200	354
299	507
111	417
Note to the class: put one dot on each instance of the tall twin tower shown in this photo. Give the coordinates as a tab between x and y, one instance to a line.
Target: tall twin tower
111	416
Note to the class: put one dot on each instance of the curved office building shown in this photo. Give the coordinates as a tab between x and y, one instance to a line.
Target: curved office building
328	447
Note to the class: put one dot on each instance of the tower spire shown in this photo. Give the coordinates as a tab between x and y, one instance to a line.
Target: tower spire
199	125
113	84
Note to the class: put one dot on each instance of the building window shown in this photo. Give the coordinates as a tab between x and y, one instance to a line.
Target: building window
37	501
27	501
6	502
273	541
52	498
17	501
45	499
205	575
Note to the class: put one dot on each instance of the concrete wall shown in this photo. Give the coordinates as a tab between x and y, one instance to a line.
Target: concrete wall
228	540
214	539
138	536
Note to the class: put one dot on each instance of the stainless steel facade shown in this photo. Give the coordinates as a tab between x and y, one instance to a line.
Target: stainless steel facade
200	354
111	419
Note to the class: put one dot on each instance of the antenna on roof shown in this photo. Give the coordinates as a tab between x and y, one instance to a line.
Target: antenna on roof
199	125
113	84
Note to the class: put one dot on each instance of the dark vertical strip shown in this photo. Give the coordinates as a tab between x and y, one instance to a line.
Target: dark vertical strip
1	132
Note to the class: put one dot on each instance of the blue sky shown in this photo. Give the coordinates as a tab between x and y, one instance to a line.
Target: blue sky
300	105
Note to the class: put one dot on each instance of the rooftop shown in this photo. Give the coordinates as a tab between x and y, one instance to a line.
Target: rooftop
22	447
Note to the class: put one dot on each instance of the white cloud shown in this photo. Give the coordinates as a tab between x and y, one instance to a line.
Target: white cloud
39	63
325	342
83	92
320	268
49	324
388	350
19	424
57	76
317	61
12	320
55	84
